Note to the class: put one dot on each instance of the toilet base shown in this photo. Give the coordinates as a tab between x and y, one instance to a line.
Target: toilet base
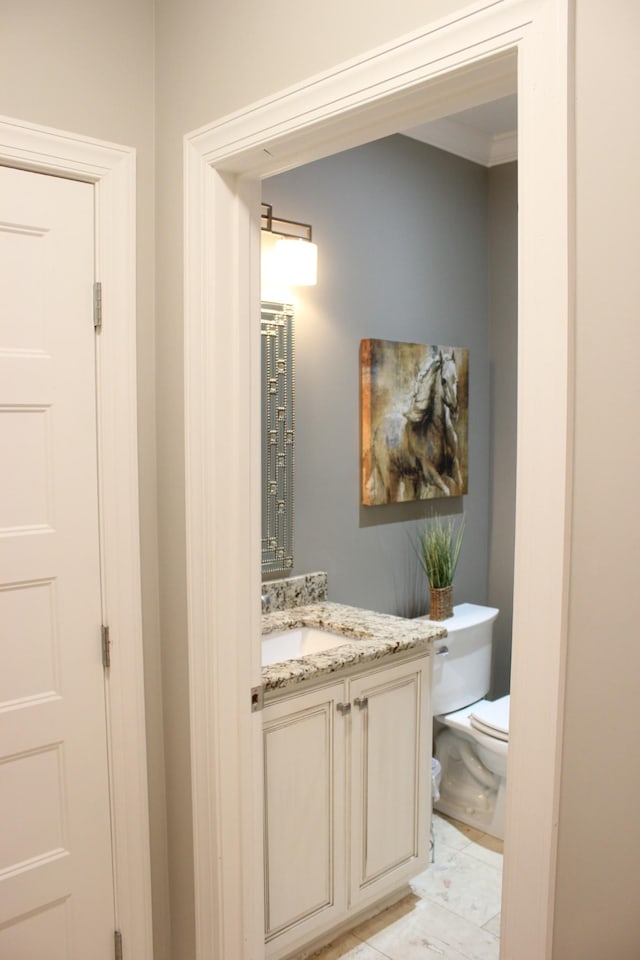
468	791
491	823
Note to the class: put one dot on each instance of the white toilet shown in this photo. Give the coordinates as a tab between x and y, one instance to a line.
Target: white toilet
471	734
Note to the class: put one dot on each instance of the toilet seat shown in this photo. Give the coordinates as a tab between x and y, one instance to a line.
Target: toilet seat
487	721
491	717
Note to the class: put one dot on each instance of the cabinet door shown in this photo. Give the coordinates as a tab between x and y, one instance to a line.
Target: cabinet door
304	758
390	757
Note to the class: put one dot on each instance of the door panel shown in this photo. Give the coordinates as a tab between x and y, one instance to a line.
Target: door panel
56	878
390	800
304	750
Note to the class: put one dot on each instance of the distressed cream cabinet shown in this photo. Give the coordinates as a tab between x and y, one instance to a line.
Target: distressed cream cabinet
347	801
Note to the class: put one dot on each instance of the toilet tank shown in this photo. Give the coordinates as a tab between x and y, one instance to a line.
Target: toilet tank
463	674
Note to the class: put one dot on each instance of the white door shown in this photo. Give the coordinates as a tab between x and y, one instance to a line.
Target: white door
56	877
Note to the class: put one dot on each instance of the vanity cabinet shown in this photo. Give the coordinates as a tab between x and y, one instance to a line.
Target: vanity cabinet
304	816
347	798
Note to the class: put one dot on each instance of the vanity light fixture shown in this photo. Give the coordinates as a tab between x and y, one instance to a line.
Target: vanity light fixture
293	258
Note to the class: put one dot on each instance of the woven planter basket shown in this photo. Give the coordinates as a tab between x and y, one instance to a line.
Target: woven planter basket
441	603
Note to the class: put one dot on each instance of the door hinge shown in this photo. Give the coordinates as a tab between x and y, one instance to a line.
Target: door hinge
97	305
117	943
257	698
106	646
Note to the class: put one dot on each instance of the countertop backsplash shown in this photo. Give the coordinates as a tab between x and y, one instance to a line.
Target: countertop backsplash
294	592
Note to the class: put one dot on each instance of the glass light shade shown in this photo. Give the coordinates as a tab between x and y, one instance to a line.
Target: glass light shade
296	262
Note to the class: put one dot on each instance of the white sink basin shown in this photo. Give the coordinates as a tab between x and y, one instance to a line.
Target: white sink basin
290	644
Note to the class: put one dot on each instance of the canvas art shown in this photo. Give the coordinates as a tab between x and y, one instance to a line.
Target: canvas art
414	402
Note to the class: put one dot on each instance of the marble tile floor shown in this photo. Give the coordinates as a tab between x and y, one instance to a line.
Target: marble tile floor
452	912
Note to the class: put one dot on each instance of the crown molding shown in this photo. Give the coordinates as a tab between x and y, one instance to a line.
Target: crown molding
468	142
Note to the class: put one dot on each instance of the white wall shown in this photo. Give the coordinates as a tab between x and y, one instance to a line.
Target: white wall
598	893
212	61
213	58
87	66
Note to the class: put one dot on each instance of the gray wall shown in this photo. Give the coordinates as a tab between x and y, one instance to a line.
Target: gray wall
402	232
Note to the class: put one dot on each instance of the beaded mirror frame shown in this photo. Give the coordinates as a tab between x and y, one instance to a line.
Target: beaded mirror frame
278	433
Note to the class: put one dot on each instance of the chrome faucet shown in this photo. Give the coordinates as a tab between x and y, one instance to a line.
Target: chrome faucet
266	602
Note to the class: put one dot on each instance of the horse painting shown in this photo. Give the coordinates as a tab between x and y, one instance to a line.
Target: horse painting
414	401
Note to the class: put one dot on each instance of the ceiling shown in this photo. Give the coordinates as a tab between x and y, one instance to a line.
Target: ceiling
486	134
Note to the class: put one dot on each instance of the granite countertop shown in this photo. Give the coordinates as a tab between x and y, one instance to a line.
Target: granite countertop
368	636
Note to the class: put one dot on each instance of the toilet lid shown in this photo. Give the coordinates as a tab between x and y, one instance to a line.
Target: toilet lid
492	717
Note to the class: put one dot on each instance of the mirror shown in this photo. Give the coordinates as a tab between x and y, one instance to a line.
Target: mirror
278	381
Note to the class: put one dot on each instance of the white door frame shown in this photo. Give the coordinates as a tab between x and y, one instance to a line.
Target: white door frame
111	169
446	66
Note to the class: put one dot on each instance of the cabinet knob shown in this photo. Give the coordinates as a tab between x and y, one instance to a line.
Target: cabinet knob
361	702
343	708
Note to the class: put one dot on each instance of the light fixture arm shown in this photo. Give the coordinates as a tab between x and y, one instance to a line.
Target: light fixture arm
282	227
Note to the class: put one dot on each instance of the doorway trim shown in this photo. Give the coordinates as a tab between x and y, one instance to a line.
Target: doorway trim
111	169
445	67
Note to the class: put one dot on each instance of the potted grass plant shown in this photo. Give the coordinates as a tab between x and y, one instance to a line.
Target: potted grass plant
439	544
